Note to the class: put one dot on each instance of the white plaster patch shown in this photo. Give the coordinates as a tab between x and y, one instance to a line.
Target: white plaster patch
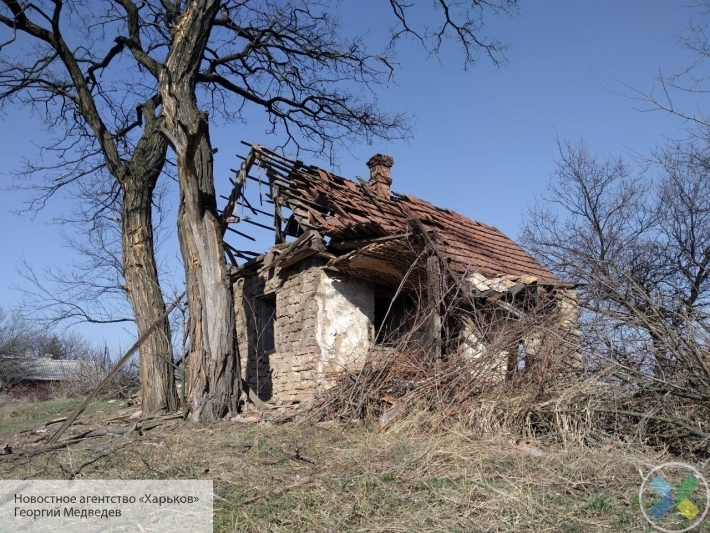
471	347
491	367
346	312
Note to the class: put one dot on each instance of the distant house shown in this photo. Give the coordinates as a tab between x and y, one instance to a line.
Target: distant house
361	262
41	377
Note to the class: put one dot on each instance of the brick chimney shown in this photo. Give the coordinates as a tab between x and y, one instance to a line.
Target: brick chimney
380	175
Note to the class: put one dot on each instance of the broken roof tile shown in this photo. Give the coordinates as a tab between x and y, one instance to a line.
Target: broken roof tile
469	245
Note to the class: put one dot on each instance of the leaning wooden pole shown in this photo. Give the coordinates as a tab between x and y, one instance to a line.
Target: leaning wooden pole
70	420
236	193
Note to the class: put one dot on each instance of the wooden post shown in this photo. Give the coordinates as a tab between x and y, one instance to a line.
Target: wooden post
433	267
278	216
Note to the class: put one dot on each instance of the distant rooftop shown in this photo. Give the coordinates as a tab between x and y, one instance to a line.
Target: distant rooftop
45	369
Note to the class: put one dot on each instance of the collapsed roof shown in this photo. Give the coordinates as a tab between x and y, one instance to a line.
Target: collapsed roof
356	225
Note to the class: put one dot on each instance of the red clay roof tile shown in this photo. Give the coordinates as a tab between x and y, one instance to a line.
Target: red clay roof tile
352	213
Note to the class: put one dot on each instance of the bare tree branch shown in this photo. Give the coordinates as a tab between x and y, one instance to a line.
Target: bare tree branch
640	247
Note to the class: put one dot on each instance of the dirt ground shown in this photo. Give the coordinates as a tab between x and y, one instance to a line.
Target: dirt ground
328	477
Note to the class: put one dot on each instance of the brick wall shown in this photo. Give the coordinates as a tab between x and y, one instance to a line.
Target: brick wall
322	325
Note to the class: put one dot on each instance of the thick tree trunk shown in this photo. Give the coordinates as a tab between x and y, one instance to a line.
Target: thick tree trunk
158	391
136	177
213	385
213	366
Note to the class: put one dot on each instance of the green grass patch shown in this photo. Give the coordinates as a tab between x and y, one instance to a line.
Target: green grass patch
24	415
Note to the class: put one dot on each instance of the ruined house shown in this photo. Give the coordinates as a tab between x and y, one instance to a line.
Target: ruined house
41	377
352	266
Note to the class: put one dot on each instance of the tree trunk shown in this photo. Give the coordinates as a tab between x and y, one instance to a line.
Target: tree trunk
213	365
158	391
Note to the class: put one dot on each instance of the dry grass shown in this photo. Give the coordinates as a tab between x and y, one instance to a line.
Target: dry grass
400	480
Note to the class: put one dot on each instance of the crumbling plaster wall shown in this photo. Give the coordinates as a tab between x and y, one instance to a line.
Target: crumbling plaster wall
494	365
344	327
322	325
568	309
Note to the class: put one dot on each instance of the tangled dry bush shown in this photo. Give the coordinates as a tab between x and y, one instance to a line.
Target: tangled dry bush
540	392
535	361
638	245
526	366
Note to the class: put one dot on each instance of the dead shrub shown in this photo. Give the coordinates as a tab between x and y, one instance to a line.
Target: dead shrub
515	374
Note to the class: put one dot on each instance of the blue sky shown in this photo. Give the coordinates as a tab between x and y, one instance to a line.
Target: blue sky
483	141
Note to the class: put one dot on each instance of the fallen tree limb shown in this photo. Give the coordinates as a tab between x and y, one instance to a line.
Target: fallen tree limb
298	456
106	432
144	425
37	451
71	474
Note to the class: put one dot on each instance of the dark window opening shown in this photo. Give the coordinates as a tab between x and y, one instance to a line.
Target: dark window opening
392	318
266	324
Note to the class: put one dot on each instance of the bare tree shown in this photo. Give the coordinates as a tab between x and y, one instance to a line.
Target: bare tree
682	93
15	334
91	288
169	59
640	246
61	78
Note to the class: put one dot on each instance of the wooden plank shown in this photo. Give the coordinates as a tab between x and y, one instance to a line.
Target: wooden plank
271	154
257	224
232	259
249	177
359	243
284	165
298	256
235	251
241	234
253	209
289	248
237	189
278	216
434	296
